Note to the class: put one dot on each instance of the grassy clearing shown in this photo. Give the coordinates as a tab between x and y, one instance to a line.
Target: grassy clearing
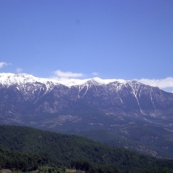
5	171
73	171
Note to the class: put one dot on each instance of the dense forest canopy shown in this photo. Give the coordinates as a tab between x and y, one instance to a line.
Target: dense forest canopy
28	148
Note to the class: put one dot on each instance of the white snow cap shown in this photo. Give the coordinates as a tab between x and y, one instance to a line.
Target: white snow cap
96	80
23	78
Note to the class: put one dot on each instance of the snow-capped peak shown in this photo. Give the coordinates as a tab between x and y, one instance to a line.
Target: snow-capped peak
23	78
95	81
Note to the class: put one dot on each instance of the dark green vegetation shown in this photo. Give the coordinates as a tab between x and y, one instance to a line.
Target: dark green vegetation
72	152
24	162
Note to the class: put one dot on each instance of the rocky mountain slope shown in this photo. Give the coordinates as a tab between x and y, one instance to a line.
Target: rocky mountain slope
25	94
123	113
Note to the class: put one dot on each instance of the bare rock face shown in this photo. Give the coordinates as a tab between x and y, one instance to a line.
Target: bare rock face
25	95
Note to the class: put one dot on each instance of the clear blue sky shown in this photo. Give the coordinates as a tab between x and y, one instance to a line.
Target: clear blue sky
129	39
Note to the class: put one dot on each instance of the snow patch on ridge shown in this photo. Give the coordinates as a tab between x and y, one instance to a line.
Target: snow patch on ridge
10	79
135	89
95	81
22	78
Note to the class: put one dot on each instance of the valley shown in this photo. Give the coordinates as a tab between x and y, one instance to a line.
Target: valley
126	114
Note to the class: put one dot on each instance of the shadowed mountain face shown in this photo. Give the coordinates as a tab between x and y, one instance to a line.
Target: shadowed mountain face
129	99
127	114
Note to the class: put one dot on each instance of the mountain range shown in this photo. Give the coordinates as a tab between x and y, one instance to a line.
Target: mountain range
116	112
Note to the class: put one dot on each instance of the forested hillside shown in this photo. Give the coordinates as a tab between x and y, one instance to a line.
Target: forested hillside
73	151
24	162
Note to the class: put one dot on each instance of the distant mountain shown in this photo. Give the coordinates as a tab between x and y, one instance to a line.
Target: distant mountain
37	95
116	112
